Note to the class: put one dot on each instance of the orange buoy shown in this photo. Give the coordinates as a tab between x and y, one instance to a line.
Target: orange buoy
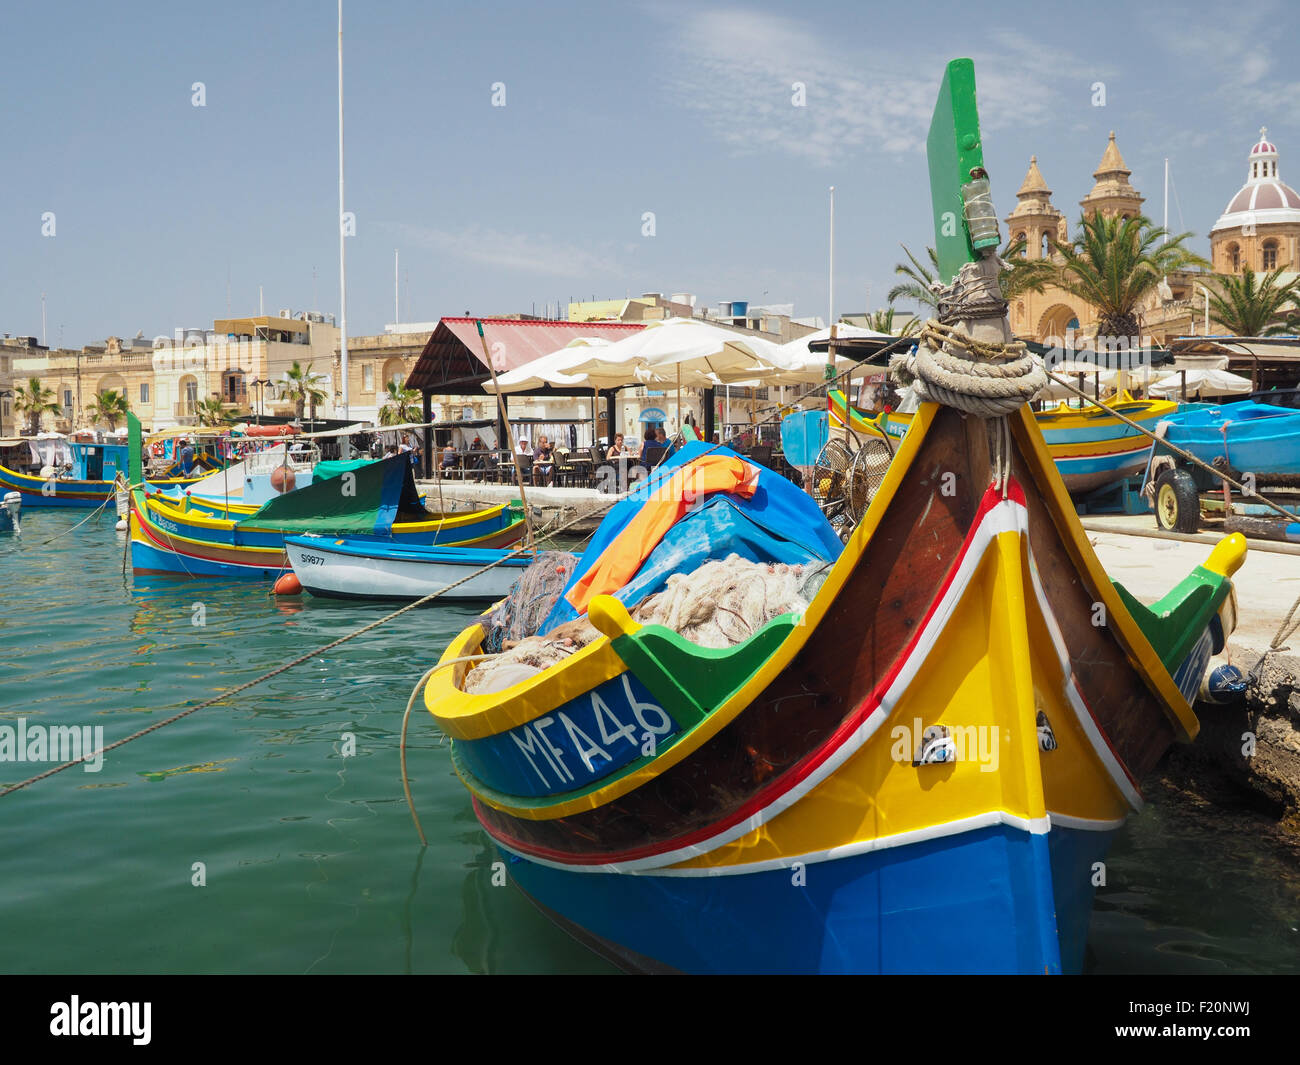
282	479
287	584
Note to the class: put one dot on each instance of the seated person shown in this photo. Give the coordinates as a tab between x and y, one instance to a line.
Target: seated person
652	450
617	449
449	457
478	454
543	462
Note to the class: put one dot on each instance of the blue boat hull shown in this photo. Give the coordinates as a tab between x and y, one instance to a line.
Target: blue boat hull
1254	437
992	900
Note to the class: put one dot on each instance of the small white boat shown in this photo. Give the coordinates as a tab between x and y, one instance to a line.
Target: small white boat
11	508
356	569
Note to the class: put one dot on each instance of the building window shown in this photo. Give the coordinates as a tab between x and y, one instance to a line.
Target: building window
144	392
1020	239
1234	258
368	377
67	397
1045	246
1270	255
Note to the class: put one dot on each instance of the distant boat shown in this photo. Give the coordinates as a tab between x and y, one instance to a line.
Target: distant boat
1091	448
80	474
358	569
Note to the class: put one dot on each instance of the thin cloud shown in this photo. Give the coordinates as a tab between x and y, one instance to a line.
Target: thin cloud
524	252
738	70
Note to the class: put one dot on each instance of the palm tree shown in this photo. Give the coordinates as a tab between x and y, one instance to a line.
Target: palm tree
1114	262
882	321
301	385
211	411
1021	275
1024	275
1254	305
34	400
399	408
920	278
110	405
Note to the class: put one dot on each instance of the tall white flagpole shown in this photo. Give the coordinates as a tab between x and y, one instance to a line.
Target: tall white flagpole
345	446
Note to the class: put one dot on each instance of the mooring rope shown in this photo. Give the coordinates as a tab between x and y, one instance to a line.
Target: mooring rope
286	666
987	378
92	514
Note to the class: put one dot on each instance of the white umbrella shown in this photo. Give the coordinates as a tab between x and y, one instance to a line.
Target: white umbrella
1202	382
575	364
795	364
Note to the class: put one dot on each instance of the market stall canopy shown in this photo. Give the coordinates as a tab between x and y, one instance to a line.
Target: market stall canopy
452	360
1202	383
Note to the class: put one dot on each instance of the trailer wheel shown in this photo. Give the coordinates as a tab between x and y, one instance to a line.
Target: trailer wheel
1178	505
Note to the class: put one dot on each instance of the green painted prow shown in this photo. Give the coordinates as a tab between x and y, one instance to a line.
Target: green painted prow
956	158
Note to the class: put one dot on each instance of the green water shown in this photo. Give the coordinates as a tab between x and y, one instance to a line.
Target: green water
311	860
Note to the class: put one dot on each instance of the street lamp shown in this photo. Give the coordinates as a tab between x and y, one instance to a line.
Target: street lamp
261	384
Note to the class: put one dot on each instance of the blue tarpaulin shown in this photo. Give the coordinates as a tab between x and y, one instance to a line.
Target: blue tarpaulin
779	523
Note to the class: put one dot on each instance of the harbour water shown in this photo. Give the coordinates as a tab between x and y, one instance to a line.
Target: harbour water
309	858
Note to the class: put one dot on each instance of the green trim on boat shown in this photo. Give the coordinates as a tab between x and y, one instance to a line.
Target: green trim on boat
1175	622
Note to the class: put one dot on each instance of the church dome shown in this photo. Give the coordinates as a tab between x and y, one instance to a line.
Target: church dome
1264	199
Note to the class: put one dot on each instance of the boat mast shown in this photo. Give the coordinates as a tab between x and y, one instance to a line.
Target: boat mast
345	444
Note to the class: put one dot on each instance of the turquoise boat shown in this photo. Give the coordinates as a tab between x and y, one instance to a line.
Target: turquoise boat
1252	437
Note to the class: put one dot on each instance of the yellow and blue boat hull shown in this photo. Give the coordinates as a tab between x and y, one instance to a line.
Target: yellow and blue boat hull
918	775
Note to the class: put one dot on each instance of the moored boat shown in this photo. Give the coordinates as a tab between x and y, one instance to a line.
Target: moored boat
916	772
86	479
355	569
1091	448
377	502
11	509
1250	437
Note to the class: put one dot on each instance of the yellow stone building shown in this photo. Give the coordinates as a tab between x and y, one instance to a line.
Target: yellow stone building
1054	314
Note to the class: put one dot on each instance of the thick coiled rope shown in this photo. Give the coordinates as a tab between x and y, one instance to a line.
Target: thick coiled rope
988	378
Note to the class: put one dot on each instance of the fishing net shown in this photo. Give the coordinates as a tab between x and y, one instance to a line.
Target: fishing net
719	604
531	598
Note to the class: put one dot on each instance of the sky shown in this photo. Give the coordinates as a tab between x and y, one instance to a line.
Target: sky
134	210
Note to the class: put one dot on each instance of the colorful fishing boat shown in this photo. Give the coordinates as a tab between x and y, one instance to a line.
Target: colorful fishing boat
1250	437
1091	447
86	480
916	773
376	502
343	568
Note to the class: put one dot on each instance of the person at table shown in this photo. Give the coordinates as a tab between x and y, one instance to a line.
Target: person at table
478	451
448	457
543	462
522	448
650	447
617	450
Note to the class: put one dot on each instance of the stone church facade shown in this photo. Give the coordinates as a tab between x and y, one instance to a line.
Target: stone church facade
1260	228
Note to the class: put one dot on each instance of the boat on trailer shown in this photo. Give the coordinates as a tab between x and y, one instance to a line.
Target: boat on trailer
916	773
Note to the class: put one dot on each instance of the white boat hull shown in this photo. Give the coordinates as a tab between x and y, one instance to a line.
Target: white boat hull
340	575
